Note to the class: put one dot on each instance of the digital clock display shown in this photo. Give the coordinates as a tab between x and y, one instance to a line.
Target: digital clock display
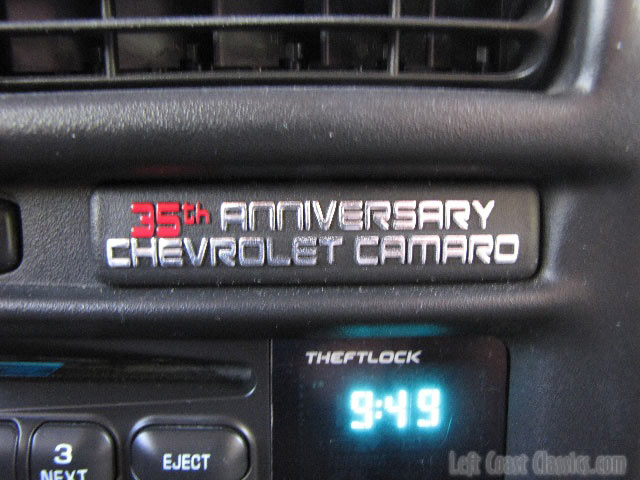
367	409
385	408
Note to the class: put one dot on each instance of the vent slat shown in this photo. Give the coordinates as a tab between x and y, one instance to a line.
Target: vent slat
110	43
276	22
225	77
107	9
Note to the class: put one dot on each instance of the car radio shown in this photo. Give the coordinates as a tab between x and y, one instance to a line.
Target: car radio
290	409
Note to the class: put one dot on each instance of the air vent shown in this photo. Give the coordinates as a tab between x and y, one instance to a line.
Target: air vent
94	43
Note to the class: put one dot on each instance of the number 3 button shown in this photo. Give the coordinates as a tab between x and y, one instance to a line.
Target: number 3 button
72	451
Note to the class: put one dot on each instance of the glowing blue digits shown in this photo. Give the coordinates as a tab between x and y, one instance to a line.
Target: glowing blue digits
362	404
366	409
399	409
429	403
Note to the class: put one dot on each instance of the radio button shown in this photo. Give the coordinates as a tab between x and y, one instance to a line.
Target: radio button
8	441
10	248
79	451
194	453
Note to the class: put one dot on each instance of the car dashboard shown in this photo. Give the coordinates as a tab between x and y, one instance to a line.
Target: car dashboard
319	240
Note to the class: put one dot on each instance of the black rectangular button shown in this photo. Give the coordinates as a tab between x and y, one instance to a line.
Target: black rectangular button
10	236
81	451
189	453
8	441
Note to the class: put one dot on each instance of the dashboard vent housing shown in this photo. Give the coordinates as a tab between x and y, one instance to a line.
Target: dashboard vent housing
101	43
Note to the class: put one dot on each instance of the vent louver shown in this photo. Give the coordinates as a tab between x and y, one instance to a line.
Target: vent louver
94	43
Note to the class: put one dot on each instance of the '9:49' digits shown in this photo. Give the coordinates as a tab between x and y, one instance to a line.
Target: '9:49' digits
366	409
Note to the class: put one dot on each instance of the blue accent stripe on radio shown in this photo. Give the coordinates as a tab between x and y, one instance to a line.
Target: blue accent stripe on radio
389	331
29	369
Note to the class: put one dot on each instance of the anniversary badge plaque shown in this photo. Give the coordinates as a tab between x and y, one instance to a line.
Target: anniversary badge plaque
315	234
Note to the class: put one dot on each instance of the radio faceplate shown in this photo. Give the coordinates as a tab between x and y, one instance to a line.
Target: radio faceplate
282	409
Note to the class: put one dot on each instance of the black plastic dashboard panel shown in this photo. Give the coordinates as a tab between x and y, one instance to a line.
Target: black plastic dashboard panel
571	330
